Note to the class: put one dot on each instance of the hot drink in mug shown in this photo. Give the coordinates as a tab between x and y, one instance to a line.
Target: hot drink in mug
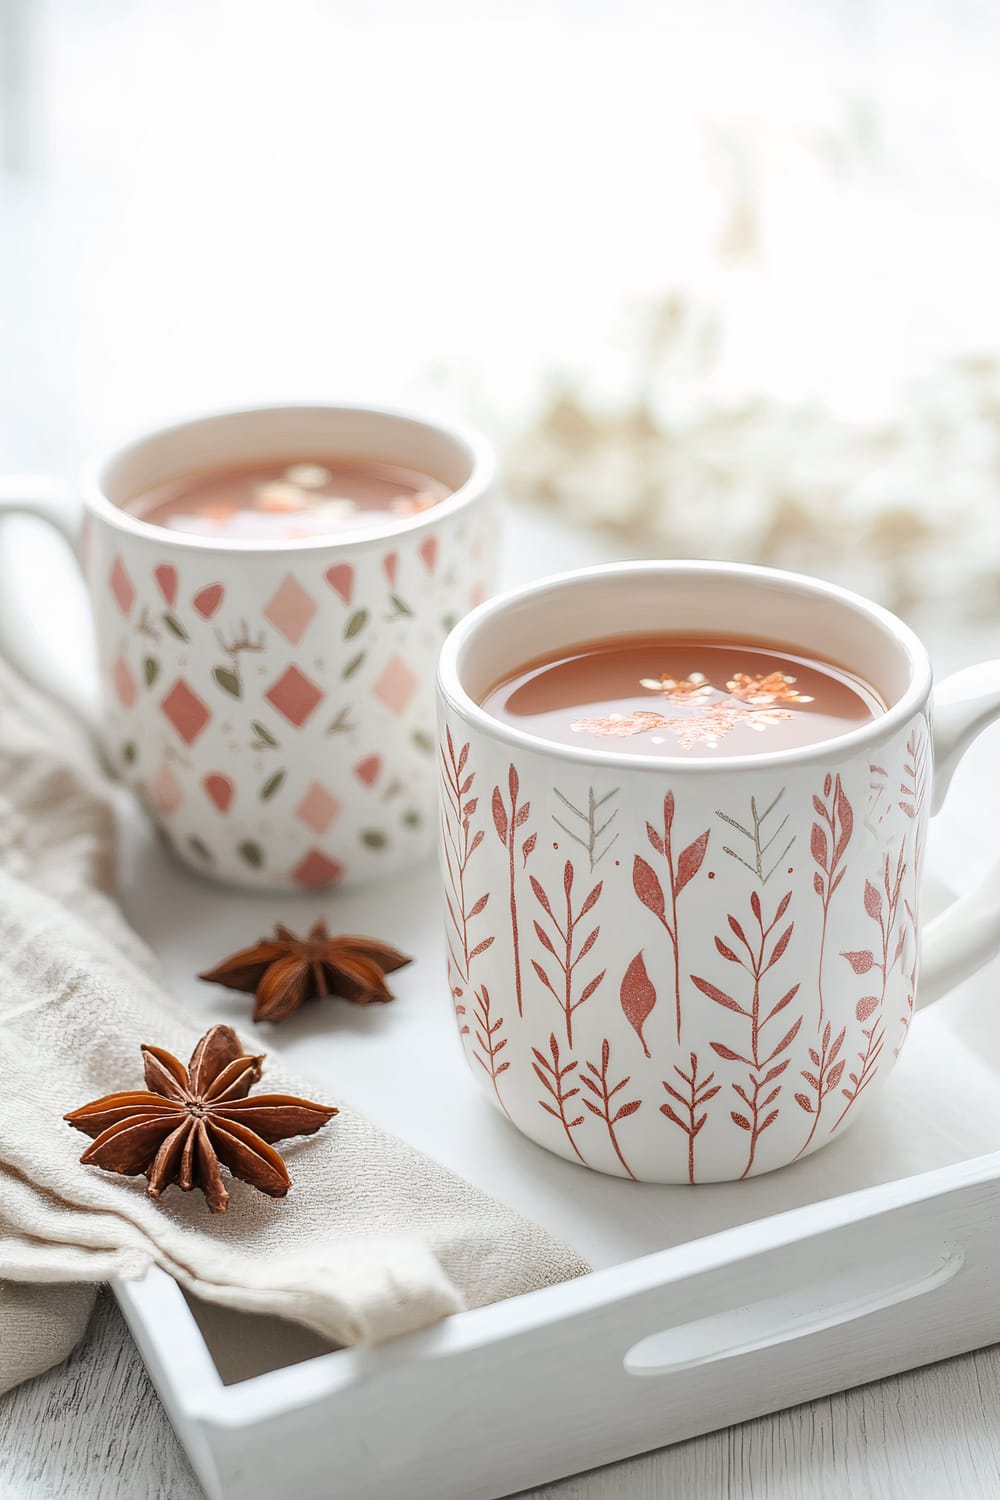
682	863
270	590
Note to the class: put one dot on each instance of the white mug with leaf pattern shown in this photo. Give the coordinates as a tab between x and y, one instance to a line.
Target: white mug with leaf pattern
697	969
272	703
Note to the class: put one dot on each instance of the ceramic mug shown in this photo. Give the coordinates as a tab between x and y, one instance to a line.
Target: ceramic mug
697	970
273	702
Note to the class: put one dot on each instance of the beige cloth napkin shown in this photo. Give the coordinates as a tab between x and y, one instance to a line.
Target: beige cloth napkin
373	1240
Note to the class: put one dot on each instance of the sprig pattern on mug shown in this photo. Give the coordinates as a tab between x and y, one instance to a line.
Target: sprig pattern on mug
561	939
692	972
650	888
461	839
757	954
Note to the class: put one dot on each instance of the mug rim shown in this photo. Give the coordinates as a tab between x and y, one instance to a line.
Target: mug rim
915	697
482	472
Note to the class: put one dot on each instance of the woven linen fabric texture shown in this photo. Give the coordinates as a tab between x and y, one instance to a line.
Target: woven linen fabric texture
373	1240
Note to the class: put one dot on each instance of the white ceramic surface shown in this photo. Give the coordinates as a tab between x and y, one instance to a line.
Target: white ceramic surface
694	969
272	704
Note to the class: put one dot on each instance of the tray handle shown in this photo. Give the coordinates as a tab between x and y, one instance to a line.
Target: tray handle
813	1308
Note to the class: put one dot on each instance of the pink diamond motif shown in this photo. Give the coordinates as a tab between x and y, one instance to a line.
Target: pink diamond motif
318	808
396	685
124	683
185	711
367	770
294	696
121	587
290	609
316	869
166	792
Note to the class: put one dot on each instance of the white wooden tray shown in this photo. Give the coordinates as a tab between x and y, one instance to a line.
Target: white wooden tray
706	1307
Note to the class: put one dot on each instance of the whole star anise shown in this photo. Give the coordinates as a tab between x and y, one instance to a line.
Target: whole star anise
285	971
194	1118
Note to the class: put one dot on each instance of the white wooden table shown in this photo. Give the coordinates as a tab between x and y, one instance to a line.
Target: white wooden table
94	1428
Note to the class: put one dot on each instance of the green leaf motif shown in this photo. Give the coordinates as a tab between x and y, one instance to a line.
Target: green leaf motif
264	735
150	670
411	818
423	741
202	850
174	625
449	622
271	786
357	622
341	723
373	838
229	681
252	853
353	665
400	606
129	752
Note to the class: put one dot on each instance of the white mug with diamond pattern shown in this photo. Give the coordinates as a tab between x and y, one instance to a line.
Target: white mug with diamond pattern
272	703
697	969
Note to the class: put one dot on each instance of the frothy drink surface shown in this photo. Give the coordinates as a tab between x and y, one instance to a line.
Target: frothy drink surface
683	696
288	498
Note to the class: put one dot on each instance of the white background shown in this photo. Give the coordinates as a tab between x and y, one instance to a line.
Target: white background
219	200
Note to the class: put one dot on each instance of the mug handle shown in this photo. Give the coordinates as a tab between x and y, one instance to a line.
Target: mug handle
41	500
967	934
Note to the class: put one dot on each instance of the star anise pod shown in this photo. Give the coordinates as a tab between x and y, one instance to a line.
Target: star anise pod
285	971
194	1118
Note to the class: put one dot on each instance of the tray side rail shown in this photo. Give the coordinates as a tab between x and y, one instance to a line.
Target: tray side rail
636	1357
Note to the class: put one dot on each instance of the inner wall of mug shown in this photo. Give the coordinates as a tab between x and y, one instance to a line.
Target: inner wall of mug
688	599
282	432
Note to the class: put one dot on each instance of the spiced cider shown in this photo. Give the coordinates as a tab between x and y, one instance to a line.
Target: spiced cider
683	695
289	498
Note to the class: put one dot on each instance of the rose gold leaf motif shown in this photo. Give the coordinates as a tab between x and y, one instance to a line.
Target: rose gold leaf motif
596	1080
828	846
913	789
507	826
760	954
719	996
646	884
882	907
553	1078
638	997
460	843
650	890
564	946
695	1097
690	861
490	1042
